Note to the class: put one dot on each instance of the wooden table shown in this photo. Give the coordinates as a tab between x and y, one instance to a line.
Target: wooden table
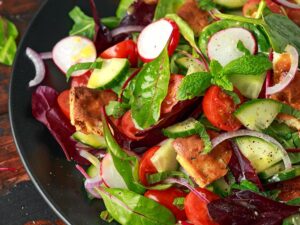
18	198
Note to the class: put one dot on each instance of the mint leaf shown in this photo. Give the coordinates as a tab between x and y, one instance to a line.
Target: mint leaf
218	77
151	87
116	109
248	65
193	85
241	47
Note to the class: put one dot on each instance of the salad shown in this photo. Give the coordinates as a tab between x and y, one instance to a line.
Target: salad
181	111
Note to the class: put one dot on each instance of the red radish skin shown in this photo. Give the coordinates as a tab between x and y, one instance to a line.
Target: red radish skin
155	37
108	172
222	46
72	50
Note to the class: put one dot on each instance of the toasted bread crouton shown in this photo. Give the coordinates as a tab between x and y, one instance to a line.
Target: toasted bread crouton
289	120
195	17
204	168
85	105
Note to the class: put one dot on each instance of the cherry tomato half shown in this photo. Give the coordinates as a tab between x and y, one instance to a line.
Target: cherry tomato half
196	209
171	100
218	107
166	198
81	80
63	102
128	127
146	167
124	49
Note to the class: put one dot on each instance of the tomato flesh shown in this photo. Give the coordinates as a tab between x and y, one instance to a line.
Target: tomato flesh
81	80
170	100
196	209
146	167
218	107
63	102
128	127
166	198
125	49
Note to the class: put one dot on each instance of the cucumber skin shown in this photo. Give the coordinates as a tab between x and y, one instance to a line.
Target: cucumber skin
169	132
231	4
269	172
78	137
285	175
116	79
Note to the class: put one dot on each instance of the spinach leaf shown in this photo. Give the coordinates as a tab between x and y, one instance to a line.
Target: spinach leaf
126	165
8	46
245	185
129	208
207	4
116	109
123	7
193	85
282	31
219	77
262	40
165	7
248	65
158	177
179	202
83	66
241	47
185	30
151	87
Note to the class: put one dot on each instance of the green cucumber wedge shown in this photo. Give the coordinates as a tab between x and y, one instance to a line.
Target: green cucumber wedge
91	140
259	152
231	4
271	171
285	175
110	74
258	114
182	129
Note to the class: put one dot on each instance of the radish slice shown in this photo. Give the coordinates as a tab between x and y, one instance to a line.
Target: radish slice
110	175
72	50
222	46
290	75
154	38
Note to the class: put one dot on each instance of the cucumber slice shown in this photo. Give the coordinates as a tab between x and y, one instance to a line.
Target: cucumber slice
258	114
164	159
109	75
285	175
269	172
92	171
292	220
182	129
189	64
231	3
249	85
260	153
91	140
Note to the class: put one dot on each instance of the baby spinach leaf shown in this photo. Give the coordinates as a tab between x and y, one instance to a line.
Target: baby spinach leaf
129	208
83	66
126	165
193	85
123	7
219	77
185	30
165	7
8	46
248	65
151	87
281	31
116	109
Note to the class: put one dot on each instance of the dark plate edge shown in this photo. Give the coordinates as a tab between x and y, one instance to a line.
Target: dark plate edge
35	181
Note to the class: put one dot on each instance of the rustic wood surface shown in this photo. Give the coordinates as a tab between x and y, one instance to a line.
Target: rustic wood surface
20	13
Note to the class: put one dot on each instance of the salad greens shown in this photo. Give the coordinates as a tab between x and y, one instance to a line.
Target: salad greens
165	7
8	46
151	87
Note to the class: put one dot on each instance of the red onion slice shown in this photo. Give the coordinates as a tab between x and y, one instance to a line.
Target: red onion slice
239	133
40	70
46	55
288	4
290	75
126	30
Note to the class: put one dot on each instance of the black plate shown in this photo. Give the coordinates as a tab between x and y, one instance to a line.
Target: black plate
55	178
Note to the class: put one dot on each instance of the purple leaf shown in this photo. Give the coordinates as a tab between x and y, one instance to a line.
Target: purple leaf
242	169
46	110
102	38
246	207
